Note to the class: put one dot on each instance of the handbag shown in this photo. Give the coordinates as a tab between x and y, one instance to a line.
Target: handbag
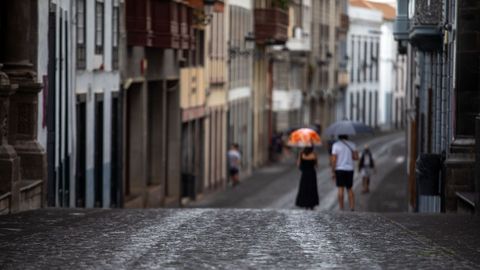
354	153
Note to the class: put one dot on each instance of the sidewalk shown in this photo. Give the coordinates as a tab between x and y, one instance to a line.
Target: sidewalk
260	179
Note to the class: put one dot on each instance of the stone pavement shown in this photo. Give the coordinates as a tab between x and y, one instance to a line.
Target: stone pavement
236	239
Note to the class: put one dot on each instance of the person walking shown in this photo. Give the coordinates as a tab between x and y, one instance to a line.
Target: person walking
342	161
234	160
307	196
366	166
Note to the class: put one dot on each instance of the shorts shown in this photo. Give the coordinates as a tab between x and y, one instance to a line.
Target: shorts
344	178
233	171
366	172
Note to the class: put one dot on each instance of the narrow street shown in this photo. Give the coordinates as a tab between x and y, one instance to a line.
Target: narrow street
274	237
275	187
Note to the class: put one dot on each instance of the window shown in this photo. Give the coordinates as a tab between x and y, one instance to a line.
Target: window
115	33
373	59
357	106
352	106
352	65
365	61
81	55
377	55
200	48
99	27
359	64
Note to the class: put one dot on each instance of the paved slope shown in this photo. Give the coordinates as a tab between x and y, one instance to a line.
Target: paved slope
219	238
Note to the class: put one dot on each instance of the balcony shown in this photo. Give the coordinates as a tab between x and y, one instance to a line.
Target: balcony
426	25
166	24
271	26
136	23
401	30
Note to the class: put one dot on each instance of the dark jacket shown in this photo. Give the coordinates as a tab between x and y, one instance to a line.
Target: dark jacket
362	160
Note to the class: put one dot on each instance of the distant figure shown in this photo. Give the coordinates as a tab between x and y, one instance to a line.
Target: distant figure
318	128
276	146
307	196
366	166
330	143
343	155
234	160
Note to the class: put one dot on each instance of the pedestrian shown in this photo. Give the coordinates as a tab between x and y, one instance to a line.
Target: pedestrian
343	155
234	160
330	143
307	196
366	166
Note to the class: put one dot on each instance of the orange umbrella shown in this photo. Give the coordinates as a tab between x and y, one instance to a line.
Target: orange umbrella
304	137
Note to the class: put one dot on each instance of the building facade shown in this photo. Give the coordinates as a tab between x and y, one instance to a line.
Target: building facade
216	107
240	82
271	22
290	68
162	116
97	84
363	93
193	86
327	75
441	100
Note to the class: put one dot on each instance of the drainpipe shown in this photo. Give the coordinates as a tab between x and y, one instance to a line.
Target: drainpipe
477	164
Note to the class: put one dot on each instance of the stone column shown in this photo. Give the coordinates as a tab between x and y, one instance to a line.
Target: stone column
9	160
467	63
24	129
17	55
17	28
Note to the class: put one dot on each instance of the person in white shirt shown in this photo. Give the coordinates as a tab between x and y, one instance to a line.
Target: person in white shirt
344	153
234	160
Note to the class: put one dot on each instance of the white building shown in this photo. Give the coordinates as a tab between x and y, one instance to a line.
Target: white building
56	66
364	96
377	89
78	41
392	71
97	83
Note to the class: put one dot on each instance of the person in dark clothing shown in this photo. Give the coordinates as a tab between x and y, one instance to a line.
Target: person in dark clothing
307	196
330	143
366	166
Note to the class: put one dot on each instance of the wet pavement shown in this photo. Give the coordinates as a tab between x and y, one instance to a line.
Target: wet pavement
235	239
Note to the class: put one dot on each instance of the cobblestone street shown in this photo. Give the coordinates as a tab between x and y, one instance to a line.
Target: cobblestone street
235	239
240	237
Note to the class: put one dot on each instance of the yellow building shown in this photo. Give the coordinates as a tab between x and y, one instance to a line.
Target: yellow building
215	132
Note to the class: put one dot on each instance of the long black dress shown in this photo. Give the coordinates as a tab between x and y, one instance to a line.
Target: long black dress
307	196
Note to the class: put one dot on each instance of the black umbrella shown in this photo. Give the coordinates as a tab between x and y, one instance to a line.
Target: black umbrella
346	127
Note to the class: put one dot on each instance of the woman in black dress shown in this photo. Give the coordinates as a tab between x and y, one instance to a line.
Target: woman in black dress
307	196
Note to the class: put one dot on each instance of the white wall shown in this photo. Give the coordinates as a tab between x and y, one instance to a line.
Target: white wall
42	66
387	72
365	25
241	3
94	80
99	81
